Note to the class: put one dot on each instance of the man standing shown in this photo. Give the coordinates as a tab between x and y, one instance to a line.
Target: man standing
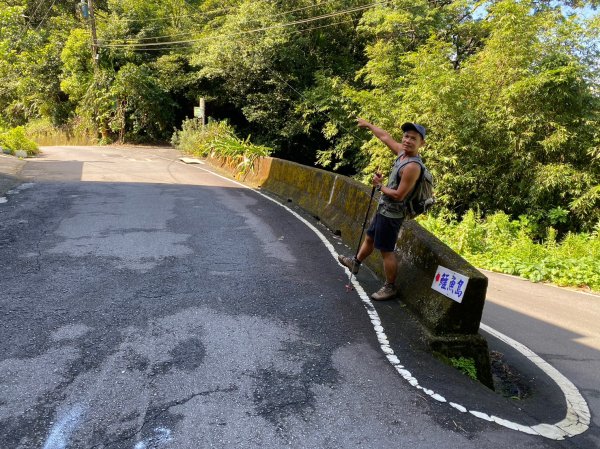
385	227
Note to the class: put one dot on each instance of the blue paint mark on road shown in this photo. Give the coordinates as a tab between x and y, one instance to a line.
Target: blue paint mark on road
161	437
62	430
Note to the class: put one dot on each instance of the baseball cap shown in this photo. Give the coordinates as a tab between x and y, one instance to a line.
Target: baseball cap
414	127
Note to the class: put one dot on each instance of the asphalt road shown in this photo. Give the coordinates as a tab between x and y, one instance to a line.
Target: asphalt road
150	304
560	325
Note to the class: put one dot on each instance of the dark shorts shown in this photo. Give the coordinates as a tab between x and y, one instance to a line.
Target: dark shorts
384	231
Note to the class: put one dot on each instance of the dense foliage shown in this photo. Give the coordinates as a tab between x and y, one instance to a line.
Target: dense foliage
508	89
500	244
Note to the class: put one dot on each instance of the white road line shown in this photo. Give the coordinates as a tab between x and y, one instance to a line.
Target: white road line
578	416
577	419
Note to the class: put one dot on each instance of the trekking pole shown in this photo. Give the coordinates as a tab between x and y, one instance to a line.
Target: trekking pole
349	287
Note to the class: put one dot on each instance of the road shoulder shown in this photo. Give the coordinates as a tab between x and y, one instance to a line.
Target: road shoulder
10	172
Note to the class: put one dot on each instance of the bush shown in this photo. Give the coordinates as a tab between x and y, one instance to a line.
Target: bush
217	139
15	140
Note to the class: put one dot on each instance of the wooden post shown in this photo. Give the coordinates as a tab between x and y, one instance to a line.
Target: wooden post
202	111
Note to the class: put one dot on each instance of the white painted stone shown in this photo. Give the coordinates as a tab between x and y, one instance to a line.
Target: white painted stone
458	407
394	360
387	349
404	373
438	397
481	415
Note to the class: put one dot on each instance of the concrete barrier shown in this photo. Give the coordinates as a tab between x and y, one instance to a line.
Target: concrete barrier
451	328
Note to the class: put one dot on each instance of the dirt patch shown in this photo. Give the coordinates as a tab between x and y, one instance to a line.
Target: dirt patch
507	380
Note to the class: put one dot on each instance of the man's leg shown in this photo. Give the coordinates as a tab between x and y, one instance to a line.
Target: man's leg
366	248
390	266
365	251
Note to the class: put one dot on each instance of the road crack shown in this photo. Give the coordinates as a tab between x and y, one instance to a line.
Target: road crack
154	414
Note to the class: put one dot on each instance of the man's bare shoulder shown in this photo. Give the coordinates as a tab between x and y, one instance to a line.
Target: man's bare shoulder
412	167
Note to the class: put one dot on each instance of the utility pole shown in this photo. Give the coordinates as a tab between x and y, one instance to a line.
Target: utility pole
87	12
90	13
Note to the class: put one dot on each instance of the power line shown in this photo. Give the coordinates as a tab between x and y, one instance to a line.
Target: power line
29	18
46	15
182	47
212	11
34	11
186	33
303	8
286	83
158	19
281	25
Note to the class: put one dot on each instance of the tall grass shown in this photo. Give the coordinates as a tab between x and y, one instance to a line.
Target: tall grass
498	243
74	133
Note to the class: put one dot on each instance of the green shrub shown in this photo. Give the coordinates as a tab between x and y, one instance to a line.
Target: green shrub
218	139
15	140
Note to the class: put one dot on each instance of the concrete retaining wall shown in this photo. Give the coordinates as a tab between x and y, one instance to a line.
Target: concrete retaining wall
341	203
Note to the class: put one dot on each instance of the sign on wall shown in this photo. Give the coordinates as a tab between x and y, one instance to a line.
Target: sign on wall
450	284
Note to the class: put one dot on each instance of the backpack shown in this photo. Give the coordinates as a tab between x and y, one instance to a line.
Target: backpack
421	198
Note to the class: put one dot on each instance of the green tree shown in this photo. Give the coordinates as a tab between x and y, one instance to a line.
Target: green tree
142	108
516	113
30	45
262	75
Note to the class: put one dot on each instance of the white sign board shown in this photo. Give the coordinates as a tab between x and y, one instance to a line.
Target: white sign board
450	283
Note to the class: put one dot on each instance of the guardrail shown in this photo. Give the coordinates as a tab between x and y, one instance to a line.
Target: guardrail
451	327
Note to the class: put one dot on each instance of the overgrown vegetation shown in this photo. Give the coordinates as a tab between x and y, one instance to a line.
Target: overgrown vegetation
218	140
498	243
466	365
75	132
